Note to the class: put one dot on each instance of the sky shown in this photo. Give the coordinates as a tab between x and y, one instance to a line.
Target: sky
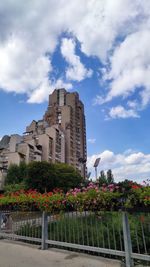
99	48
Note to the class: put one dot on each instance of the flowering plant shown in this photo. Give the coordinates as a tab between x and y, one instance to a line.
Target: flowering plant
107	197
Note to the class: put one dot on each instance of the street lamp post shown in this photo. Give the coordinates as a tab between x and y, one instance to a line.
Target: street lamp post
95	166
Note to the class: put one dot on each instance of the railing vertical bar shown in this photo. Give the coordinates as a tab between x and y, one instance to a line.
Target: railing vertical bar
44	230
97	232
37	224
108	236
28	232
38	227
50	236
137	239
82	227
73	230
17	227
77	227
35	229
87	231
114	236
61	224
65	225
143	236
120	232
54	226
32	226
16	224
57	227
69	233
25	226
18	230
103	234
91	222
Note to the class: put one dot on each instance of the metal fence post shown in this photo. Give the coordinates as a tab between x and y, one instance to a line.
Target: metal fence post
44	230
127	240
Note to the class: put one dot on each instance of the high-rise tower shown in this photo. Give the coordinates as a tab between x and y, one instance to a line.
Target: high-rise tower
66	110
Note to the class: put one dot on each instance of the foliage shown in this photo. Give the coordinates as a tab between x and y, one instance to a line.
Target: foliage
13	174
87	198
102	178
11	188
16	173
23	169
106	178
110	178
127	185
43	176
67	177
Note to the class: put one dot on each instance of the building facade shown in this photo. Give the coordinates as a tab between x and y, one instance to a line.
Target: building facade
59	137
66	110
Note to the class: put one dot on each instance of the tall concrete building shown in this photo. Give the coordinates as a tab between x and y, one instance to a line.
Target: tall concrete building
66	110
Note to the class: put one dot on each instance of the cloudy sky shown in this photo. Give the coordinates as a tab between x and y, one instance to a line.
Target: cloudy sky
100	48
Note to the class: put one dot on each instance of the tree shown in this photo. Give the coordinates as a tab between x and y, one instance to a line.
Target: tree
106	178
16	174
41	176
102	178
23	169
44	176
13	175
110	178
67	177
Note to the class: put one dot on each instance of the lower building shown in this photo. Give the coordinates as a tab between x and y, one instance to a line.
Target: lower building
44	145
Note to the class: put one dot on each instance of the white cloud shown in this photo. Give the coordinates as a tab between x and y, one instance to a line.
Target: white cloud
130	71
91	140
76	70
133	104
133	166
121	112
106	156
28	37
103	21
135	158
116	32
98	100
130	67
45	88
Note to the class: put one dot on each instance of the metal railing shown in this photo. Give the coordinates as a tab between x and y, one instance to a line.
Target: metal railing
107	233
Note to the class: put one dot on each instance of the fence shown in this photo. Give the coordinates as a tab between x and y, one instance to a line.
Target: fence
108	233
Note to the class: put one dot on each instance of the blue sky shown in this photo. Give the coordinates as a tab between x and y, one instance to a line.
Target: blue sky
101	50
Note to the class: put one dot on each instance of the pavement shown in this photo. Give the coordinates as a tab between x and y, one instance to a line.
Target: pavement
15	254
